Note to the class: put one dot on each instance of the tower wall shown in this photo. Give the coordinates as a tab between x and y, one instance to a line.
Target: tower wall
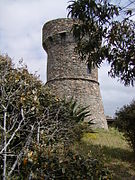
67	75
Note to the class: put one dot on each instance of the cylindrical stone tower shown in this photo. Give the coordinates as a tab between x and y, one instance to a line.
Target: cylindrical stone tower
67	75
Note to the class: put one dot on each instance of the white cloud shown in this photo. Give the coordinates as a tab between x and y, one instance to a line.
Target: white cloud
21	25
114	94
21	22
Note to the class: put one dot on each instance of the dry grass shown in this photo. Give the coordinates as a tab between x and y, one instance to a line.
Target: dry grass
111	148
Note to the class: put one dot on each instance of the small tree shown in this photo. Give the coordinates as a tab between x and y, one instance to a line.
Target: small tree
29	115
18	103
102	34
125	121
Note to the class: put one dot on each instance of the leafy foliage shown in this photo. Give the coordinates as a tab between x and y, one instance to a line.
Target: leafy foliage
19	112
58	162
39	129
102	35
64	122
125	121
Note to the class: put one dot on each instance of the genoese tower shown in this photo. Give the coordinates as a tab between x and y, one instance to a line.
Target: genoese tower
67	75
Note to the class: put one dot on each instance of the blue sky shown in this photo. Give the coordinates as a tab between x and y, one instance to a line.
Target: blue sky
21	23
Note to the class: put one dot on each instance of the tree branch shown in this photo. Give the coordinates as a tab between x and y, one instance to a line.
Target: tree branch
11	138
22	152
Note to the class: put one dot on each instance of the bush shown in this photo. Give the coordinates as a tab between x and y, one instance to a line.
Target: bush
125	122
59	162
40	146
28	109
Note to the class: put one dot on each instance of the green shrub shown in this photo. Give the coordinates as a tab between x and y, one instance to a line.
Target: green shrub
40	147
24	98
125	122
58	162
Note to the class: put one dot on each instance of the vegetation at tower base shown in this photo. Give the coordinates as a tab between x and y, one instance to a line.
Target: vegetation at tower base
103	35
38	131
125	122
59	162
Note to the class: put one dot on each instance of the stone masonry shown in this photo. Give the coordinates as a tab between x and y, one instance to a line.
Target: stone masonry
67	75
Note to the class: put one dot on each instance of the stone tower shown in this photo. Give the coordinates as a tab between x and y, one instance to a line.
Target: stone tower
68	76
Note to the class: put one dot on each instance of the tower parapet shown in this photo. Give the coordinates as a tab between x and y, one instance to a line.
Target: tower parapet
67	75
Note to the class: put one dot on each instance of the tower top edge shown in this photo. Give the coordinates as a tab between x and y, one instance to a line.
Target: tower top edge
56	26
58	21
